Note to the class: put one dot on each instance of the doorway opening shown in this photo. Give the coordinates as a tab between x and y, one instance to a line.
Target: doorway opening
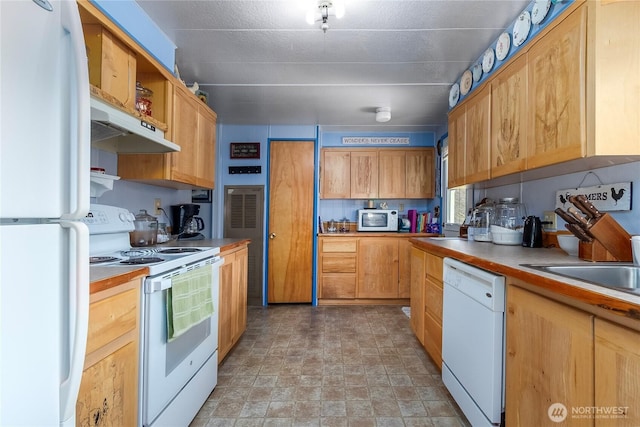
243	218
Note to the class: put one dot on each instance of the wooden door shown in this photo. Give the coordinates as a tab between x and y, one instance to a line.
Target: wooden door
549	359
509	119
557	62
617	370
291	221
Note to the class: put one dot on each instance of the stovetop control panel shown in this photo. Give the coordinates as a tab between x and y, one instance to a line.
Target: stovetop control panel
104	219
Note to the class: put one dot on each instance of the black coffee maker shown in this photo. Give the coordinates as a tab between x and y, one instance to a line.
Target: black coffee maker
180	216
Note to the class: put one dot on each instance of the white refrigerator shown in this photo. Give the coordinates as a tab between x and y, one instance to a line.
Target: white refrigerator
44	190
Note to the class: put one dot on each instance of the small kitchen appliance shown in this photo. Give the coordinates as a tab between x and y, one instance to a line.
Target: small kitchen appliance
145	230
377	220
532	232
177	373
185	223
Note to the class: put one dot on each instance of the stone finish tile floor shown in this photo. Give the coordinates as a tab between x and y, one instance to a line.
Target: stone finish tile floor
298	365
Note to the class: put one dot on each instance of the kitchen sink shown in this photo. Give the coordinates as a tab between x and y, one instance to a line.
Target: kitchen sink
621	276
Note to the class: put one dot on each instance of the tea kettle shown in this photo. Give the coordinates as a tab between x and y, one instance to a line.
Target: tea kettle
532	232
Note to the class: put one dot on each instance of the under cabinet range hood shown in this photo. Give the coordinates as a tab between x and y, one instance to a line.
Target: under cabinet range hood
116	131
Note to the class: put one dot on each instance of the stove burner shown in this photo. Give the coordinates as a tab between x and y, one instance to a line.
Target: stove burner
178	250
139	252
100	259
141	260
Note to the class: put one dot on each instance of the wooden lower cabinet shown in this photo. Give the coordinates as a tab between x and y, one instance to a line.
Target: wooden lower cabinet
367	269
418	277
109	388
232	312
549	359
426	301
617	374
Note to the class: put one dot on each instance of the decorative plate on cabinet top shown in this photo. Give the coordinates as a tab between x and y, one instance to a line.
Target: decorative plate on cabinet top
454	95
539	11
488	59
502	46
465	82
521	28
476	72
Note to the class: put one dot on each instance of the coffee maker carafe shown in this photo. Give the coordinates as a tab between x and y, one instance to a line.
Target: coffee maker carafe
182	219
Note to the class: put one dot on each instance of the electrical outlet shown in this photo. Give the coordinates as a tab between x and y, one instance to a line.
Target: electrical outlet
158	206
551	220
401	207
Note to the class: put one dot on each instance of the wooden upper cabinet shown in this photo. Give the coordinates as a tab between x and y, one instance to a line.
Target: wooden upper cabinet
478	142
457	142
112	65
335	174
185	134
392	175
556	122
364	174
509	119
206	149
420	176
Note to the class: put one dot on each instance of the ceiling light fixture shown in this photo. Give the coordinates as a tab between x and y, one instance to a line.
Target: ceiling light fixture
320	11
383	114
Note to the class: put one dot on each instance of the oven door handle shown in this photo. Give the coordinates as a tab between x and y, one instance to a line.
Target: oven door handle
157	285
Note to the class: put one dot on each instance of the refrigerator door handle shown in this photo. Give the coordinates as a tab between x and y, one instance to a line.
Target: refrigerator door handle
78	293
79	87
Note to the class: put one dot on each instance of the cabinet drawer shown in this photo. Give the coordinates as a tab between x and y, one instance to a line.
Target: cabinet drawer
342	263
339	245
111	318
433	298
434	266
338	286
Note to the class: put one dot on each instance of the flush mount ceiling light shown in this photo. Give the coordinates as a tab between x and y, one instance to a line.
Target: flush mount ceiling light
383	114
320	10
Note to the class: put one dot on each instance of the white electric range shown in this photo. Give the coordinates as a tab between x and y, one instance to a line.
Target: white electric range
177	373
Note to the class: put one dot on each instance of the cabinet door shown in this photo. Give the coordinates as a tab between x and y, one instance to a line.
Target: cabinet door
404	268
418	261
617	371
206	148
335	170
509	119
226	309
392	174
549	358
185	134
364	174
457	141
240	270
478	141
557	83
377	267
420	174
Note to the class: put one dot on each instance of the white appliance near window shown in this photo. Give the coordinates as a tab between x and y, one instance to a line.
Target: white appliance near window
44	191
177	371
473	341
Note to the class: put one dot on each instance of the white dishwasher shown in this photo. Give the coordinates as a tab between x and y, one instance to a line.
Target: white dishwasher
473	341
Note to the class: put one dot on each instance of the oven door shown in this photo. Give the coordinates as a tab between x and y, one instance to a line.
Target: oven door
167	366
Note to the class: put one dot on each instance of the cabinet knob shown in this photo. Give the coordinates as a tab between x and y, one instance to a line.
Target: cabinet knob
272	236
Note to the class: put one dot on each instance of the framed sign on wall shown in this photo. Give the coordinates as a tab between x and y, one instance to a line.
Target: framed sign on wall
245	150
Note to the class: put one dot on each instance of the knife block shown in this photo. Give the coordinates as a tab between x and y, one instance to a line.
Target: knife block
611	240
594	251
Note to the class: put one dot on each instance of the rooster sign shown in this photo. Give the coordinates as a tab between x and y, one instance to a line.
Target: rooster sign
606	198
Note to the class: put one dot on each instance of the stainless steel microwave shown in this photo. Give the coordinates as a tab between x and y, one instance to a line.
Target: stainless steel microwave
377	220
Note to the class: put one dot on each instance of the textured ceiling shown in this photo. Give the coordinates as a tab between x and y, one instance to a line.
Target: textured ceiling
261	63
